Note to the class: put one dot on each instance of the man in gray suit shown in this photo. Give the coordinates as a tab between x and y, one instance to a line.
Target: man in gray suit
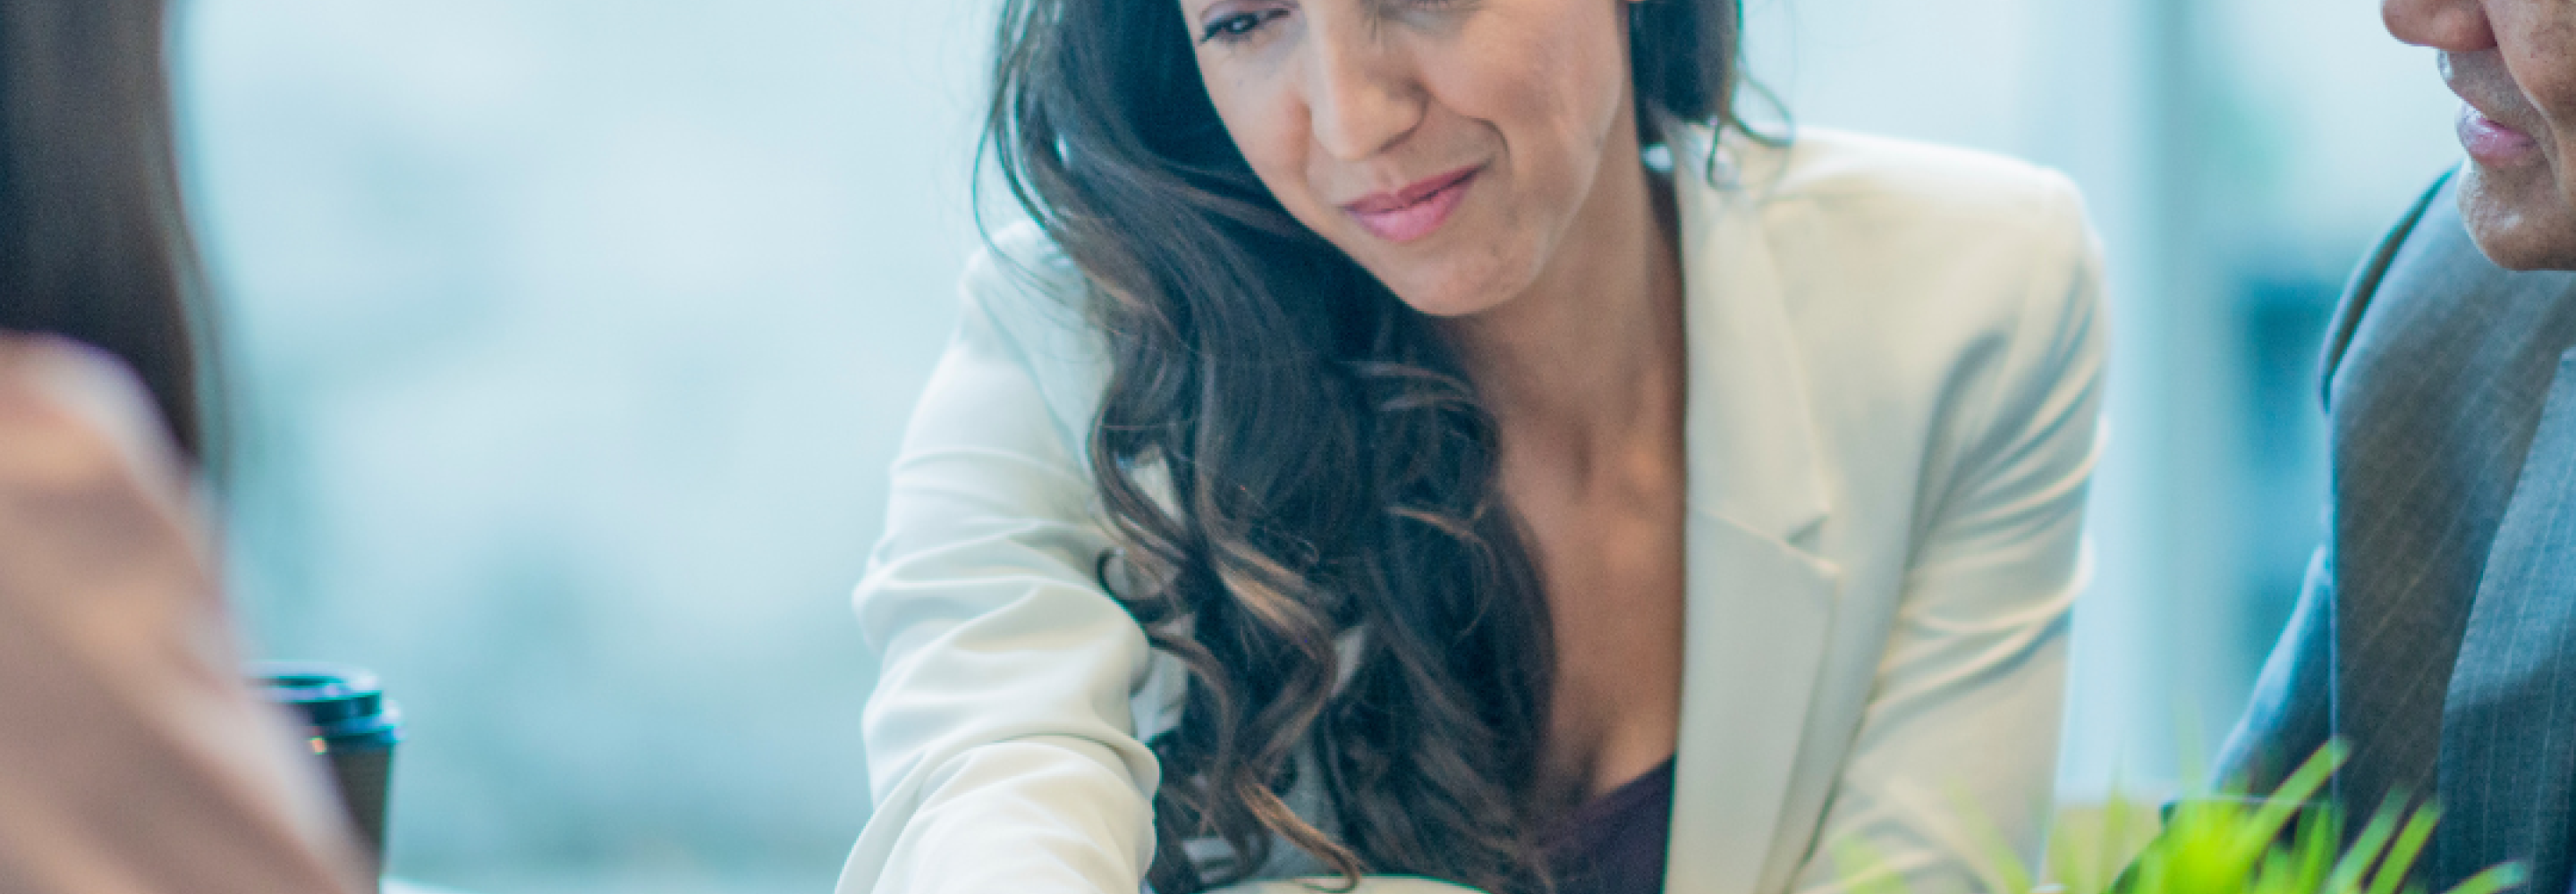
2437	633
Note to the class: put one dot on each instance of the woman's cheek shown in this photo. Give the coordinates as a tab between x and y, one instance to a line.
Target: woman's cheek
1266	126
1540	87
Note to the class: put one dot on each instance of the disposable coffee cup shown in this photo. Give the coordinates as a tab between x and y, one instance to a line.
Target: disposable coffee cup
351	728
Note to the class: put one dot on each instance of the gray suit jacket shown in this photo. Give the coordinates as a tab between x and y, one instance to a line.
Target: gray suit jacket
2437	631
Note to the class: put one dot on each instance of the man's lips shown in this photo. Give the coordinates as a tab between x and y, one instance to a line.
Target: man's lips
2491	142
1412	212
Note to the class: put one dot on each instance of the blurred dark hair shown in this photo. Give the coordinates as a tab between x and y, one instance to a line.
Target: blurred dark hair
1330	466
92	243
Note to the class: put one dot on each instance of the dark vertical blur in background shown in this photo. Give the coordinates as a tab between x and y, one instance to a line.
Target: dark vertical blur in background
574	337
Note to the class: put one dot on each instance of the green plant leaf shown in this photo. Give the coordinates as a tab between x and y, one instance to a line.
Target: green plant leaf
2496	878
2401	856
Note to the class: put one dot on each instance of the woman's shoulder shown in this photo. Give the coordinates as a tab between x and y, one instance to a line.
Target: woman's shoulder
1908	271
1023	301
73	418
90	484
1024	282
1888	228
1889	180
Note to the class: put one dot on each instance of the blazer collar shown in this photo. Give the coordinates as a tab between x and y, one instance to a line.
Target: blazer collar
1762	603
1750	426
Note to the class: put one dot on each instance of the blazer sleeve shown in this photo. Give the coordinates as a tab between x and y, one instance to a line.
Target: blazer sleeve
1000	738
1954	761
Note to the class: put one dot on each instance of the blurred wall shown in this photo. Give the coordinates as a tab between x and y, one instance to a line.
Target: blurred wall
571	340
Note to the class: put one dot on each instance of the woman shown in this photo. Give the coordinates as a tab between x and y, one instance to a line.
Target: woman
136	759
1419	437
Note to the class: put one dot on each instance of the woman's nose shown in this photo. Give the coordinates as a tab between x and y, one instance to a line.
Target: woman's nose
1362	96
2456	26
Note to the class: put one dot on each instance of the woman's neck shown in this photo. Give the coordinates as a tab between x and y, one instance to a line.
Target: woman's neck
1591	357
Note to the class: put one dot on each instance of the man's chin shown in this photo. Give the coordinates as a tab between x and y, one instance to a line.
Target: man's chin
2522	220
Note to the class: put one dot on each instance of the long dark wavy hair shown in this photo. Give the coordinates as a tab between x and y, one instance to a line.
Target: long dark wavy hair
1330	469
92	243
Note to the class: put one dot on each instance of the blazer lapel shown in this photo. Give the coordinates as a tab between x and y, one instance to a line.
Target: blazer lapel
1760	603
2508	765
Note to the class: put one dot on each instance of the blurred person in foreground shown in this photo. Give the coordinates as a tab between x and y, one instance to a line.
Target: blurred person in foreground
133	758
1434	438
2437	633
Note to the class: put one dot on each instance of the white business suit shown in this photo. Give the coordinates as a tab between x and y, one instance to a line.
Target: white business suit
1895	357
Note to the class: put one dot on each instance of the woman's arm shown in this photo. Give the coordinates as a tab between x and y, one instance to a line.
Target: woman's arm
999	737
1955	759
136	760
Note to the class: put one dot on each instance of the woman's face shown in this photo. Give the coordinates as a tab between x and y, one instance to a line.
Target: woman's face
1448	146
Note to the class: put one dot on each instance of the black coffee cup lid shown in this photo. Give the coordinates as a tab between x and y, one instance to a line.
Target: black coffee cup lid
327	693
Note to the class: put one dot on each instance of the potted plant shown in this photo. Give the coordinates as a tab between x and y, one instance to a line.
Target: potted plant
2288	842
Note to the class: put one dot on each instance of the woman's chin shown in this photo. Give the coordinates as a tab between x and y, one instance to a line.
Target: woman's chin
1452	291
1450	307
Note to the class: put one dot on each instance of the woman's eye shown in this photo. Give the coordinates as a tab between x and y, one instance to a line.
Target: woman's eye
1239	27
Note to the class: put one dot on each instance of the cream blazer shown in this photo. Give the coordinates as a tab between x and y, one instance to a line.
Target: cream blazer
1896	358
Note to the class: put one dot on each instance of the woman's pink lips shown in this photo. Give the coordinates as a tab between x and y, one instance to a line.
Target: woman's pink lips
2492	143
1414	211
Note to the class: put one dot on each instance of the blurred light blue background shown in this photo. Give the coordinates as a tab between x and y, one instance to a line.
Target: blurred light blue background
571	339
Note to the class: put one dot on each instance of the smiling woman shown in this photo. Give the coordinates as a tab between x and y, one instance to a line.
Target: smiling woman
1371	463
1507	130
